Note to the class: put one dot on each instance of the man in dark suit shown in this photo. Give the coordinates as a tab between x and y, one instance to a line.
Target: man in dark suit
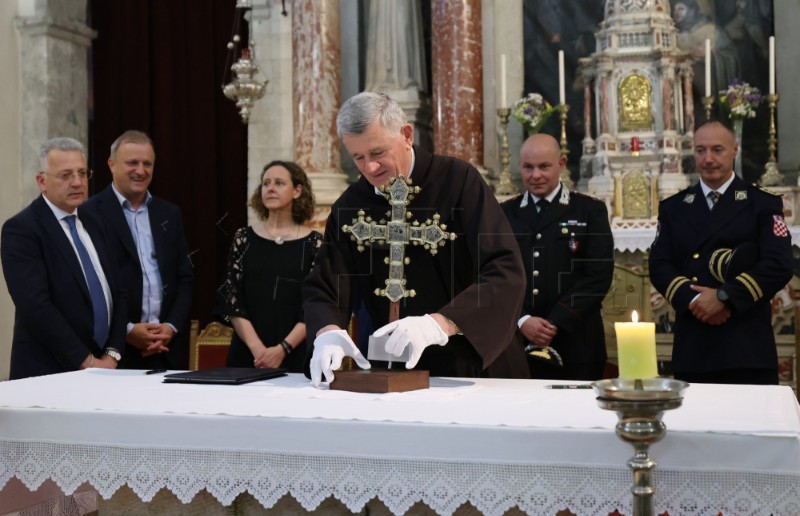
723	321
568	252
69	311
151	251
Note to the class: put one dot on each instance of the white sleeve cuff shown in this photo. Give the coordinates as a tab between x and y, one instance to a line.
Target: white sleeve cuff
522	320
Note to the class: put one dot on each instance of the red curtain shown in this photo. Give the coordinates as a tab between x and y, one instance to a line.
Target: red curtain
157	66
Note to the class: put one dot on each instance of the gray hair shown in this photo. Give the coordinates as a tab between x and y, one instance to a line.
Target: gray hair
360	111
131	136
61	143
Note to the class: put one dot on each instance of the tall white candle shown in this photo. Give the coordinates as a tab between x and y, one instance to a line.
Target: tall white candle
636	348
503	99
772	65
561	87
708	67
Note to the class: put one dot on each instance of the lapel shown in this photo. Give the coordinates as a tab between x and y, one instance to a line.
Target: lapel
112	212
99	243
557	209
527	216
54	232
724	213
159	225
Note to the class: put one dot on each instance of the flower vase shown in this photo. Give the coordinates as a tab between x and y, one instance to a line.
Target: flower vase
738	124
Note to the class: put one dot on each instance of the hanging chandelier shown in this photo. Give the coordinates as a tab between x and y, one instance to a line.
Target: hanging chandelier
243	88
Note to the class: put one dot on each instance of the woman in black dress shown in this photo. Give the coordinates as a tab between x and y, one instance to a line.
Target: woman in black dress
261	294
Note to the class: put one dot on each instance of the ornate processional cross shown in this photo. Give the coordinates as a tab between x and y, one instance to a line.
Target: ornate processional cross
398	233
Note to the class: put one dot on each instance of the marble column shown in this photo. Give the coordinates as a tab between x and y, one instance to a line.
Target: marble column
53	43
317	95
667	94
268	134
588	143
458	80
395	61
687	72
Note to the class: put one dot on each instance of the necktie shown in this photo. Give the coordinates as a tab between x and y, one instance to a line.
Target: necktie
542	205
714	196
99	307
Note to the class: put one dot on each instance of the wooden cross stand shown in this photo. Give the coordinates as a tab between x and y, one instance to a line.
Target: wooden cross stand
398	233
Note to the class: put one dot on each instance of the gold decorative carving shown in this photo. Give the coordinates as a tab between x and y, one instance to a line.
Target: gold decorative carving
635	106
635	195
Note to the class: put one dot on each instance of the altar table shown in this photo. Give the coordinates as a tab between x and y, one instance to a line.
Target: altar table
493	443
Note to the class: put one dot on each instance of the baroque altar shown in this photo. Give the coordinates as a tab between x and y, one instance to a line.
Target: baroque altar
644	112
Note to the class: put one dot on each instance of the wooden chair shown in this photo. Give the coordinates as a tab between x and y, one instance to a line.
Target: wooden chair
208	348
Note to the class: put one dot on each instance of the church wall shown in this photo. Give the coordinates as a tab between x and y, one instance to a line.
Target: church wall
11	173
502	34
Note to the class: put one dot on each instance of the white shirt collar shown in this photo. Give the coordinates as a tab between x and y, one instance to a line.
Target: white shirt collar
58	212
529	197
706	189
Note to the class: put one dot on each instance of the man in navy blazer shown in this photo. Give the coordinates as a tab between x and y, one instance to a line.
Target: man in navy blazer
69	310
147	239
723	315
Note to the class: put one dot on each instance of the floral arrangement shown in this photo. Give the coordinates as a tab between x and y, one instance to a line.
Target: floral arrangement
532	111
740	99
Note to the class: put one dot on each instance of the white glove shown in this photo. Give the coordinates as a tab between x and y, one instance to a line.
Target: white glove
329	350
419	332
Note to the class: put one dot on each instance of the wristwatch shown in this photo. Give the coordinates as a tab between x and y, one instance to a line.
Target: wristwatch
722	295
113	353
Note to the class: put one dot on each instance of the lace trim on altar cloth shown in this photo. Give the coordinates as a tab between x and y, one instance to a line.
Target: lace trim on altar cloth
442	485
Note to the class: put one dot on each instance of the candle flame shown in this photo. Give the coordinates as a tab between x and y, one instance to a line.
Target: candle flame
634	316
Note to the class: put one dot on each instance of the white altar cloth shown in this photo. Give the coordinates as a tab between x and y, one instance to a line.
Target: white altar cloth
493	443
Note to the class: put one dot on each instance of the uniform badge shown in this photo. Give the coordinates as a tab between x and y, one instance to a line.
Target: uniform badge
573	244
689	199
779	226
740	195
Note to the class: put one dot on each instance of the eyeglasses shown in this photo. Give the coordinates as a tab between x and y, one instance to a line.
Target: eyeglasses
68	175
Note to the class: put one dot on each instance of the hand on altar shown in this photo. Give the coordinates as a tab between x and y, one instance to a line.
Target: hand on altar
539	331
329	350
419	332
707	308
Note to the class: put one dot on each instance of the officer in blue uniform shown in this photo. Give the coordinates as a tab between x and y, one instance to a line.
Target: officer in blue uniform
723	322
568	252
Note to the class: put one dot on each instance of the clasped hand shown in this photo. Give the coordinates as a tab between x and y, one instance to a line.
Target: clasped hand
707	308
419	332
539	331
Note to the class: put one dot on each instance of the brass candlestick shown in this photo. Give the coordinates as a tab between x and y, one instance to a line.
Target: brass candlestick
708	102
640	405
563	109
505	186
772	176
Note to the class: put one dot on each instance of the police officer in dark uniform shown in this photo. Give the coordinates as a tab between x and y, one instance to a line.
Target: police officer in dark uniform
568	252
723	322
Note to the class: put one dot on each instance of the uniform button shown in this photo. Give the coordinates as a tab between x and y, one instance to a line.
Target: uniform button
564	231
696	256
536	254
538	236
535	274
535	291
694	279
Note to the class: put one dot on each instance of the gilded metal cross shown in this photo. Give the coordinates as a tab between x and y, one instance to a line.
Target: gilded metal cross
398	233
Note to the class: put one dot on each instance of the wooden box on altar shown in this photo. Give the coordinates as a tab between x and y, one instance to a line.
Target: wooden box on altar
380	380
